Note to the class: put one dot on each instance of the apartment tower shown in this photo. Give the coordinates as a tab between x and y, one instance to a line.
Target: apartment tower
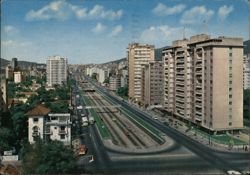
246	71
203	81
138	56
153	83
56	70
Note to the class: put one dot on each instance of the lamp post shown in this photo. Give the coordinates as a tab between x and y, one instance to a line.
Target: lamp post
209	141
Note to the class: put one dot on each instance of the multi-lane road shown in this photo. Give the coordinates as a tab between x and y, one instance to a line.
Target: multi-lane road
186	157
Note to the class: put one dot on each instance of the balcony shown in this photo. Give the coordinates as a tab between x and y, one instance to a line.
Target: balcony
62	132
181	100
35	134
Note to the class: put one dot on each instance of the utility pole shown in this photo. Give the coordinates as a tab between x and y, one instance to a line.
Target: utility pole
249	108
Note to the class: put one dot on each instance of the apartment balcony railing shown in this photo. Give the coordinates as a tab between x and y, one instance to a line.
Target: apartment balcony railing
35	134
62	132
199	112
180	99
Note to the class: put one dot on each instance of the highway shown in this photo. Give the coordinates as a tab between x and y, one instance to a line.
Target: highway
203	159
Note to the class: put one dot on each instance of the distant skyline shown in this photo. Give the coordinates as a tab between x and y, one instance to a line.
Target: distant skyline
98	31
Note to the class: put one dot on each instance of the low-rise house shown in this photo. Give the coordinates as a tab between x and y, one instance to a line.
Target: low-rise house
49	126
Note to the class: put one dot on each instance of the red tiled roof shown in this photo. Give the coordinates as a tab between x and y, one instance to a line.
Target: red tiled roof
39	110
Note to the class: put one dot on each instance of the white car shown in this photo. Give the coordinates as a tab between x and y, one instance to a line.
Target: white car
233	172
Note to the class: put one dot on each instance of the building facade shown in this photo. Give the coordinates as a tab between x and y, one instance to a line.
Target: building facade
3	95
114	82
18	77
203	81
48	126
138	56
56	70
246	71
153	83
14	63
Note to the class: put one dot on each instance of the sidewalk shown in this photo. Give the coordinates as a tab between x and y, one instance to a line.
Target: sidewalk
184	129
207	141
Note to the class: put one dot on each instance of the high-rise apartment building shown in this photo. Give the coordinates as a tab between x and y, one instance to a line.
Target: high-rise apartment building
56	70
246	71
203	81
14	63
138	56
153	83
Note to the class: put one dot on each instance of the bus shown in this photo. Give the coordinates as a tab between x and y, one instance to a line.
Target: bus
82	150
91	120
85	121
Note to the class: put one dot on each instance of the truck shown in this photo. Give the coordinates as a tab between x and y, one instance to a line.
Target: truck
85	121
91	120
79	107
82	150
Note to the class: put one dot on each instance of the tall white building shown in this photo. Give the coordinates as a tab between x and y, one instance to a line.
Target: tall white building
56	70
203	81
17	77
138	56
246	71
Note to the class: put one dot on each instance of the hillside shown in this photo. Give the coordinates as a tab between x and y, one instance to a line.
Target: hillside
158	56
21	64
3	62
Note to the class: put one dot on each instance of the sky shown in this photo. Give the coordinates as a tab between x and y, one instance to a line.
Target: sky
98	31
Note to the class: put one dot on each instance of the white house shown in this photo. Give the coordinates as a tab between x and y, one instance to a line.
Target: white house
48	126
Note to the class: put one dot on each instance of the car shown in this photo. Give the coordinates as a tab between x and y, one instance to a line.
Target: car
233	172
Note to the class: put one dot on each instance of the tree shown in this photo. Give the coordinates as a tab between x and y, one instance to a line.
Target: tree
58	107
20	127
246	103
48	158
6	139
122	91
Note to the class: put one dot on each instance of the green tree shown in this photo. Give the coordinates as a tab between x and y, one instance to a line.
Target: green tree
246	103
122	91
58	107
48	158
7	139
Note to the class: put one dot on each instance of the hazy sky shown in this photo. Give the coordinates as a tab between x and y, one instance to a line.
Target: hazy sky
97	31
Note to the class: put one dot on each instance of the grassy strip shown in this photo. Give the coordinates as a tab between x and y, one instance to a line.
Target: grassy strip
222	139
246	122
144	125
140	121
100	125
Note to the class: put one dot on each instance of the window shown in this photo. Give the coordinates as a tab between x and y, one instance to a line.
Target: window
55	127
230	54
230	103
230	123
62	137
230	96
35	120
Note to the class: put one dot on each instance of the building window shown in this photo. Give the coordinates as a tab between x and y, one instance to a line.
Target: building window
230	103
230	123
62	137
230	54
35	120
55	127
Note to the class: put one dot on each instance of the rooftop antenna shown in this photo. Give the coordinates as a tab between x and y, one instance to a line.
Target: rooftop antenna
205	26
184	37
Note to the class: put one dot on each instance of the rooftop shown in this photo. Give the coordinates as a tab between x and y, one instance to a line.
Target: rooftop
39	110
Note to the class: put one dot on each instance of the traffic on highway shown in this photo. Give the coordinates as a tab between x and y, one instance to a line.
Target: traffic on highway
119	137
